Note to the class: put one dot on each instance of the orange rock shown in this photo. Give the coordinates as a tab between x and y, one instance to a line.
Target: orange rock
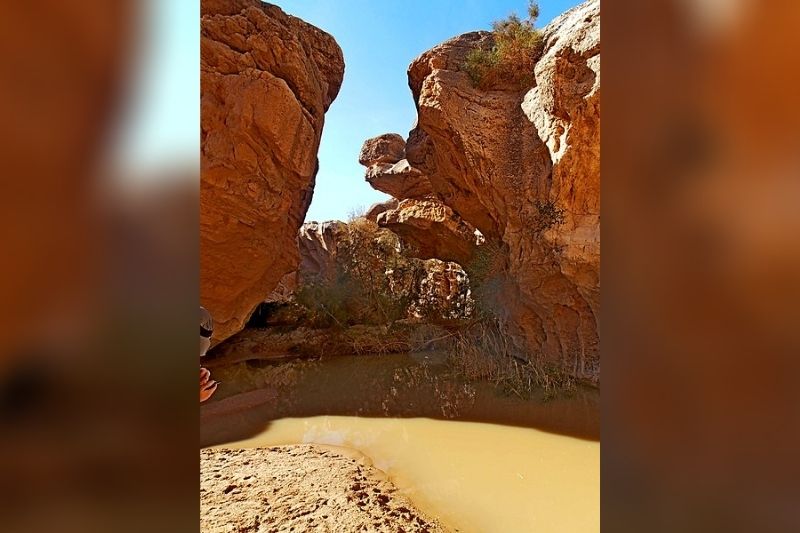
267	79
431	230
523	167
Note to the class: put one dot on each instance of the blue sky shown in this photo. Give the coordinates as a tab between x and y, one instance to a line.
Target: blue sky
379	40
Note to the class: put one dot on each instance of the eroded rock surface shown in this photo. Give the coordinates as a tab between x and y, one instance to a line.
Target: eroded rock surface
267	79
378	208
389	172
522	166
318	242
431	230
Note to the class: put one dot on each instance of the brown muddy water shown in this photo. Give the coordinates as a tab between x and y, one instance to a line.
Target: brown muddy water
480	458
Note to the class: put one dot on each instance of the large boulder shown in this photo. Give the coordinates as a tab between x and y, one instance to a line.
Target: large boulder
431	230
522	166
389	172
267	79
375	210
386	148
350	263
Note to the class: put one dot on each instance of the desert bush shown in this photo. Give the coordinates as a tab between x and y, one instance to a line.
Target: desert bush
354	213
372	282
517	46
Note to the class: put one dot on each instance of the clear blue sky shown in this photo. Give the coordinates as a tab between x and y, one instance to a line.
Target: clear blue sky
379	40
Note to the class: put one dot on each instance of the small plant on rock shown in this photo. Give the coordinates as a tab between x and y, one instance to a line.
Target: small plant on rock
517	45
548	215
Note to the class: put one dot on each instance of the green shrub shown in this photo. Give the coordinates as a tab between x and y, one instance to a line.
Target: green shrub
517	45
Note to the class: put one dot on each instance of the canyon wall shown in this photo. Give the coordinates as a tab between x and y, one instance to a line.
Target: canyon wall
267	79
523	167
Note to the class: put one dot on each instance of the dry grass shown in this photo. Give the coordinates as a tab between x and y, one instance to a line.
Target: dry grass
361	291
485	352
517	46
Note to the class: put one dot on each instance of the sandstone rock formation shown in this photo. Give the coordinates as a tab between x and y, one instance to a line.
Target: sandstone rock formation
444	292
427	227
389	172
523	168
334	253
318	243
381	207
386	148
267	79
431	230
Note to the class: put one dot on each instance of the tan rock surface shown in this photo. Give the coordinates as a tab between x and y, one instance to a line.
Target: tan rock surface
301	488
506	160
318	242
266	81
388	171
386	148
431	230
399	180
378	208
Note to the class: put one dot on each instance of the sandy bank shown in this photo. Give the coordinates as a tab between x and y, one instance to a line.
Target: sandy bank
301	488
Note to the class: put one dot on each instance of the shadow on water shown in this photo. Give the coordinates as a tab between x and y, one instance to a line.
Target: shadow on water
253	393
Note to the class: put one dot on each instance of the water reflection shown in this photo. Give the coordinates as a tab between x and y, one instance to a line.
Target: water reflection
393	385
479	458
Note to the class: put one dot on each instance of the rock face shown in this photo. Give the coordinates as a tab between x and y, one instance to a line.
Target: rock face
318	243
444	292
267	79
431	230
376	209
386	148
432	289
389	172
523	168
427	227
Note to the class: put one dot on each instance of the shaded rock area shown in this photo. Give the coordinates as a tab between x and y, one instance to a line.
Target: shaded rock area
522	167
267	79
365	265
301	488
356	291
297	342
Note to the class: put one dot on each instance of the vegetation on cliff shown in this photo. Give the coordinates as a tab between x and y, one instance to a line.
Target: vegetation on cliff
360	291
517	46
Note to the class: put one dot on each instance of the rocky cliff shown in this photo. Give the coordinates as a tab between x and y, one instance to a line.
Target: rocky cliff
267	79
523	167
351	263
